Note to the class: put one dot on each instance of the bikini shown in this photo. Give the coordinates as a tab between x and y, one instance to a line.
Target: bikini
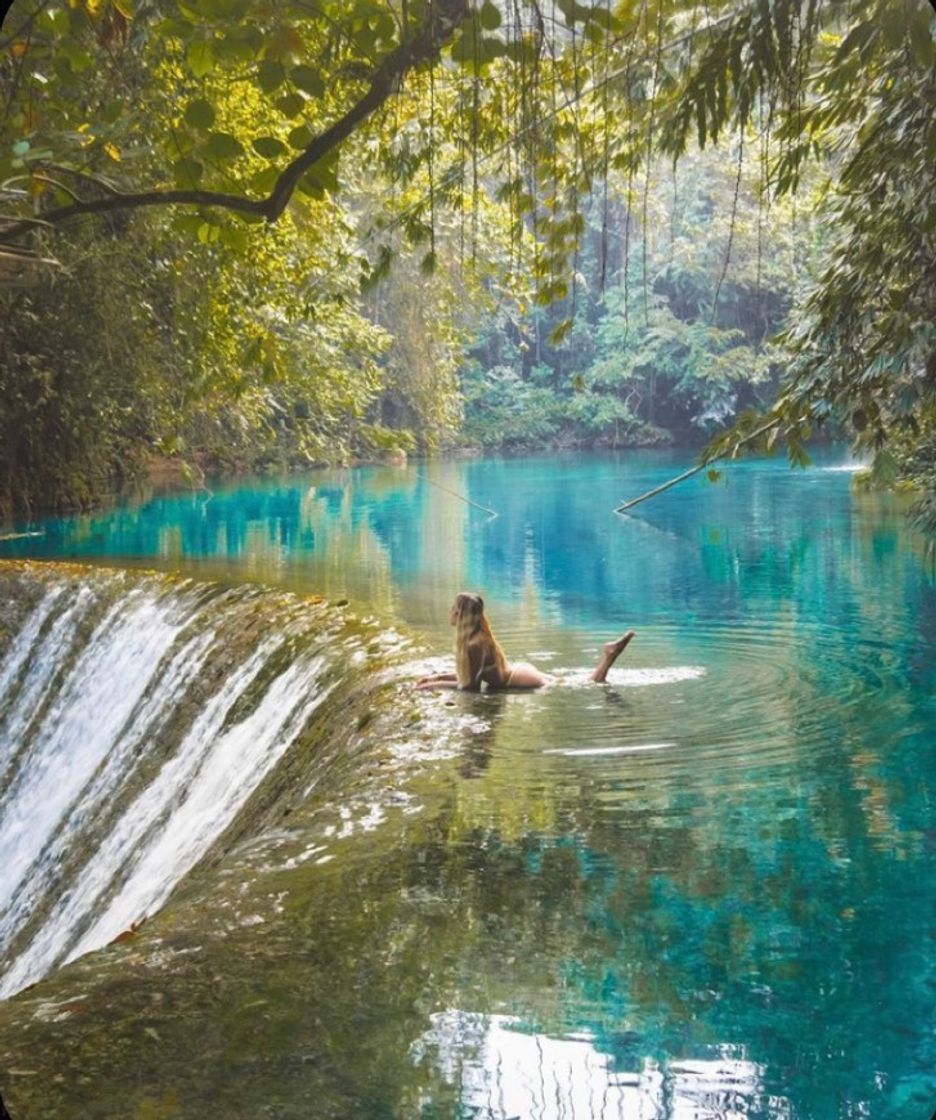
493	684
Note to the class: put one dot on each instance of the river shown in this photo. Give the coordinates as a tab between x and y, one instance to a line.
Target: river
702	890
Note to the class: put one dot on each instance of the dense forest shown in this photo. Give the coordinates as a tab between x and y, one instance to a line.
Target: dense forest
256	233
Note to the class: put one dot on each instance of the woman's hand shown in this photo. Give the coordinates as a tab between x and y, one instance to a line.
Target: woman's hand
438	680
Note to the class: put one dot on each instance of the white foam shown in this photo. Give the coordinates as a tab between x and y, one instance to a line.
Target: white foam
640	678
574	752
106	783
198	793
22	647
95	703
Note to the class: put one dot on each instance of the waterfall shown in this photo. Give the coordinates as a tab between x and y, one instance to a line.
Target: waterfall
137	717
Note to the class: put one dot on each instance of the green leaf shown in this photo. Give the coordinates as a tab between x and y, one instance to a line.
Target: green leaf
200	58
321	176
230	12
187	223
326	171
268	147
307	79
427	265
174	28
884	468
363	38
222	145
475	51
187	171
300	137
489	16
78	59
310	185
285	43
264	180
270	75
252	35
200	114
235	47
384	27
112	111
235	238
521	51
798	455
56	20
208	233
291	105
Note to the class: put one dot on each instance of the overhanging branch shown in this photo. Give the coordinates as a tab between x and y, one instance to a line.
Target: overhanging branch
445	16
706	461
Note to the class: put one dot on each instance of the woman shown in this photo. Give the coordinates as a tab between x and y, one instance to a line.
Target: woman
479	658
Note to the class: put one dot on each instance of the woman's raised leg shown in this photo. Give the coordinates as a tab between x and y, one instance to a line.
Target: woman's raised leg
611	652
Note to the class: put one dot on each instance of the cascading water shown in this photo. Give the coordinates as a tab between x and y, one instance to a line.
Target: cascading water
137	717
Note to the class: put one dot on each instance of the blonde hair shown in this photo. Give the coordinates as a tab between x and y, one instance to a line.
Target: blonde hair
472	629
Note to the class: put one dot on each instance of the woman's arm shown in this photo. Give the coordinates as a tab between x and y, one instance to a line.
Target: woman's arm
476	667
438	680
476	664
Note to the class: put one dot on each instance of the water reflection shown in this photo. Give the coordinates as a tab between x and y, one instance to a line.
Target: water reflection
556	555
702	890
502	1070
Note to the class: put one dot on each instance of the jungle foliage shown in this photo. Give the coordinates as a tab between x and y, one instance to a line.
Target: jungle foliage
243	229
650	356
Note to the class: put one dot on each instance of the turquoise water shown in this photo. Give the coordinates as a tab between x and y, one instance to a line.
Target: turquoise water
705	890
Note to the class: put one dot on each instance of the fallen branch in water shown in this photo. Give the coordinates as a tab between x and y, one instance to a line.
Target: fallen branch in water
625	506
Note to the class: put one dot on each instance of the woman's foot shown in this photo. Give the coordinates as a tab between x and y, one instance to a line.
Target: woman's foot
615	648
610	653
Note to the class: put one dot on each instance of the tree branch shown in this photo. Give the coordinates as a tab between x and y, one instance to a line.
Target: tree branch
706	460
445	17
31	221
84	176
60	186
141	199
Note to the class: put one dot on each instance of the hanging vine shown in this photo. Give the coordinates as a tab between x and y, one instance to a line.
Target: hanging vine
731	229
